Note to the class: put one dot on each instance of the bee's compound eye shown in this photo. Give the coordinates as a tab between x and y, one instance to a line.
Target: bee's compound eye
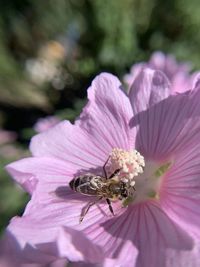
124	195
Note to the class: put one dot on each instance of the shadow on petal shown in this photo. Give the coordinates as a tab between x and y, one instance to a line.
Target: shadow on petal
151	232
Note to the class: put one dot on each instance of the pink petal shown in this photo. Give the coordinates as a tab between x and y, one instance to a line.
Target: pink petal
177	73
180	196
10	252
195	79
168	126
168	65
57	263
106	116
45	123
28	171
142	228
74	246
10	263
127	261
185	258
48	211
150	87
32	241
71	144
151	231
135	70
103	125
8	259
127	256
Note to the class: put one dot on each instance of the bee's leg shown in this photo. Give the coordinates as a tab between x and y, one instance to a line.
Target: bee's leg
114	173
110	206
104	168
86	209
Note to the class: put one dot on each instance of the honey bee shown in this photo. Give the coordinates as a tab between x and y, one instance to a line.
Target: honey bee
103	187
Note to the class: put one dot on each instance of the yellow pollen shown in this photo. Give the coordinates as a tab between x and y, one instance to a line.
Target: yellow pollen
130	163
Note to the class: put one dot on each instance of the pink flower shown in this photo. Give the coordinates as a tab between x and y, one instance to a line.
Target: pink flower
7	137
46	123
160	224
177	73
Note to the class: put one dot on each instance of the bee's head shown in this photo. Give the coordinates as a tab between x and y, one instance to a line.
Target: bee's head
124	191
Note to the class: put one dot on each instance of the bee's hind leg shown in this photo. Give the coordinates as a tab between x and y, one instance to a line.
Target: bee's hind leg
110	206
86	209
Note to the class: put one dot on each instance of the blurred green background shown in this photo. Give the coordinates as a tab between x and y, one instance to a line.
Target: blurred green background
51	50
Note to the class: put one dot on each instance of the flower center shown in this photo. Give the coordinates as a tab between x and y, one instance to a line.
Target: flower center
145	177
147	184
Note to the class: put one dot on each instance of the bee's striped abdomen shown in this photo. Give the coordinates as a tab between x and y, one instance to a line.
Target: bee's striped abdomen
74	183
87	184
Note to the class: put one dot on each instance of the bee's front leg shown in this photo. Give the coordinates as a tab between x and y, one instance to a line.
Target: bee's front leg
110	206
